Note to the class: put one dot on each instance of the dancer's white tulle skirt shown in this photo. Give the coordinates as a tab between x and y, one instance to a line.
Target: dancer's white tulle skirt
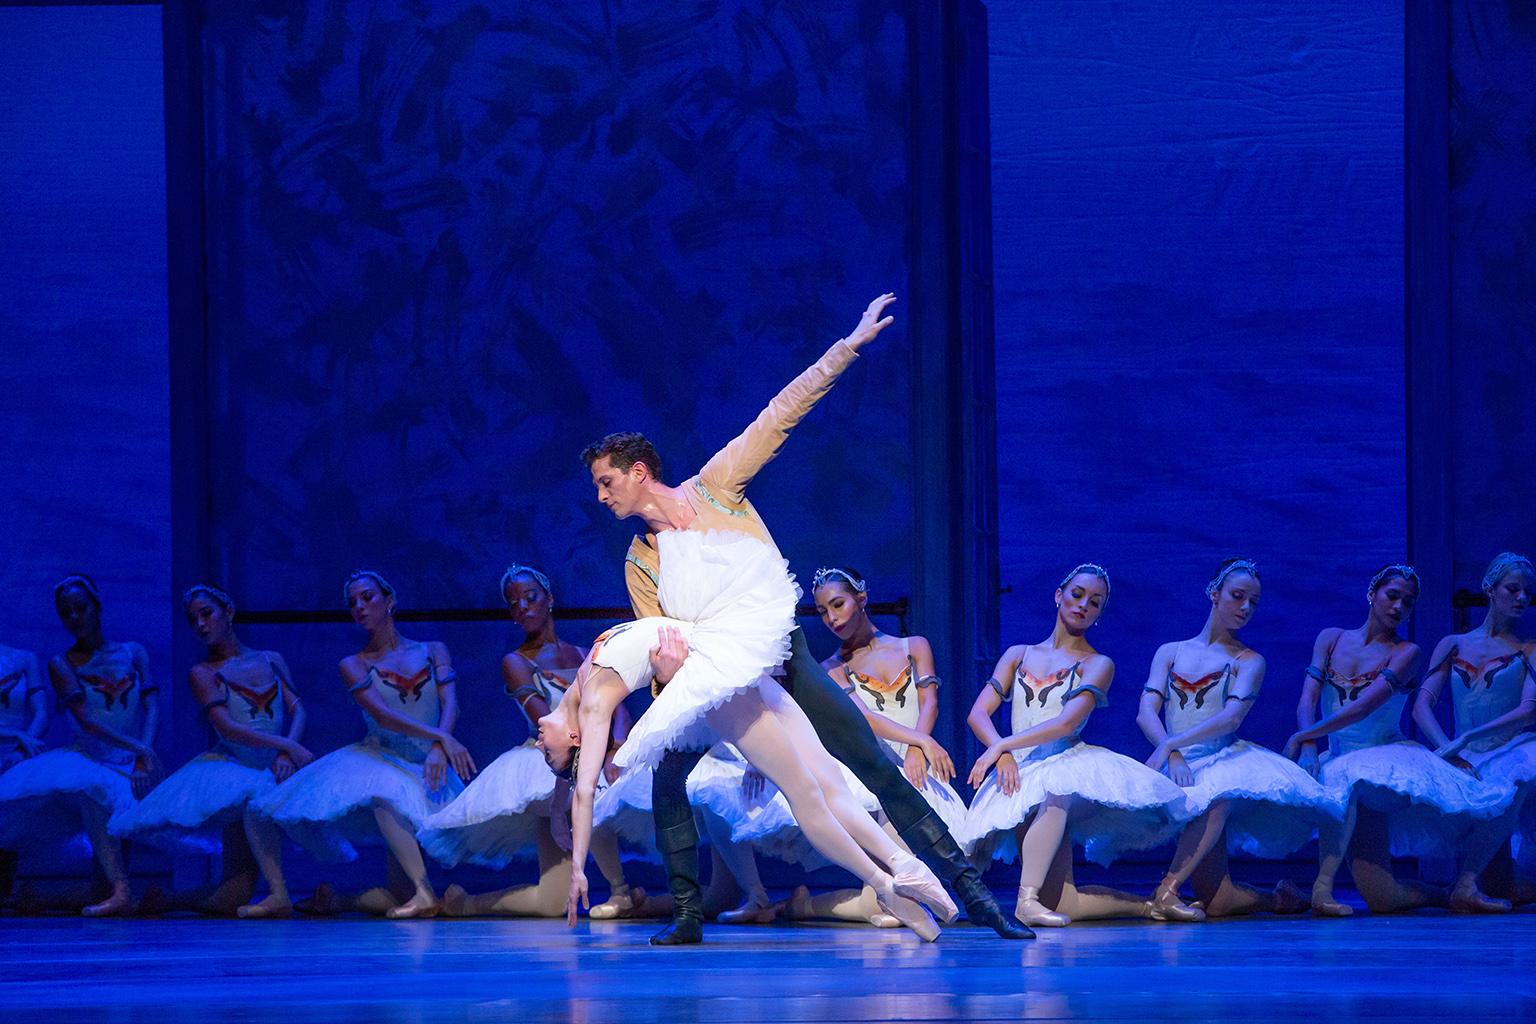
734	599
190	808
498	817
40	797
328	806
1512	764
1119	804
1430	805
1275	805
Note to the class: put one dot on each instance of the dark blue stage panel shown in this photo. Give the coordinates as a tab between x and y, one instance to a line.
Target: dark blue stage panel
1199	238
85	434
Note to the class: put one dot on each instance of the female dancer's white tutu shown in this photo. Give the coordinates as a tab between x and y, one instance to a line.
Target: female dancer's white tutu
497	818
190	808
327	806
1275	804
40	797
1118	804
734	599
1513	764
1430	804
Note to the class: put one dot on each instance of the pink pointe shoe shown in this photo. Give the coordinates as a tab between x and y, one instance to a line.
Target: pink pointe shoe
914	880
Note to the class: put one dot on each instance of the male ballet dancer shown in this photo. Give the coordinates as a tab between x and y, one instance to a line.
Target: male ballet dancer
627	473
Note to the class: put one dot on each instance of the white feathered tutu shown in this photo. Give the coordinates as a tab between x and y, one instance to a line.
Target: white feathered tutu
497	818
39	798
327	806
1430	804
734	600
191	807
1276	805
1119	804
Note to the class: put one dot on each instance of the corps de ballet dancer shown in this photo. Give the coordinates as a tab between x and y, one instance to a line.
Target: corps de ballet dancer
113	703
409	765
893	680
249	699
516	805
1400	799
1058	790
732	606
1245	797
1493	699
627	473
23	721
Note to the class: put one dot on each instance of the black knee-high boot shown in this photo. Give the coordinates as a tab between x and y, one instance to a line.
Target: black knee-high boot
677	838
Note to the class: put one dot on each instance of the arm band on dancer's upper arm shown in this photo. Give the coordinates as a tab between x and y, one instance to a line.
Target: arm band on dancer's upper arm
1006	695
525	691
447	678
1398	686
928	681
361	684
1100	698
1434	698
1313	672
1156	691
74	695
850	688
216	702
1242	697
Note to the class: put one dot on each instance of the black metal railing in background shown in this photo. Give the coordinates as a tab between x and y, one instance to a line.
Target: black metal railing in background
297	617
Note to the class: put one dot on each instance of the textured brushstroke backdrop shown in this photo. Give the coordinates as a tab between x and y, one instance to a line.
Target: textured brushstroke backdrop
454	244
1199	318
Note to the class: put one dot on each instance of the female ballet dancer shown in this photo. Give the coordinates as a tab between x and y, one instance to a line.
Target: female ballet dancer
732	608
250	701
23	720
516	803
1493	693
1247	798
409	765
114	705
892	680
1399	797
1064	790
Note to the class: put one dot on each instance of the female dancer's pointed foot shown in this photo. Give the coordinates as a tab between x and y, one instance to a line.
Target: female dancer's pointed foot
119	903
1165	905
751	912
1469	899
271	907
1030	911
1288	898
1324	905
908	911
323	902
423	904
623	905
916	881
455	901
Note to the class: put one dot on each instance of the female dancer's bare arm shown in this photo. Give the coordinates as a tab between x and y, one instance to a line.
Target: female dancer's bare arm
597	699
206	691
987	701
374	706
67	689
1429	693
1074	713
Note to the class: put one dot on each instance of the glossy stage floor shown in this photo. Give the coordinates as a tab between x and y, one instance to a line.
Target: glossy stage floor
1429	967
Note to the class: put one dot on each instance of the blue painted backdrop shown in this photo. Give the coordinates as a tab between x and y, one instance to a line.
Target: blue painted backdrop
1198	220
453	244
85	437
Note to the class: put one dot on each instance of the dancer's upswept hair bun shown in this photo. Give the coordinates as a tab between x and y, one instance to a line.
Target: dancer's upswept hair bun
1503	563
1227	568
77	579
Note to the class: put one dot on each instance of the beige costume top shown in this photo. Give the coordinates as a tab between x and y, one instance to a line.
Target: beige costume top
718	493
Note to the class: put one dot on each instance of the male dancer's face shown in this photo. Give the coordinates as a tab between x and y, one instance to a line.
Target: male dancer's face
619	490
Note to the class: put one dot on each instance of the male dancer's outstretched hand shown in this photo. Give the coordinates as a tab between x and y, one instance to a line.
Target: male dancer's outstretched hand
870	324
